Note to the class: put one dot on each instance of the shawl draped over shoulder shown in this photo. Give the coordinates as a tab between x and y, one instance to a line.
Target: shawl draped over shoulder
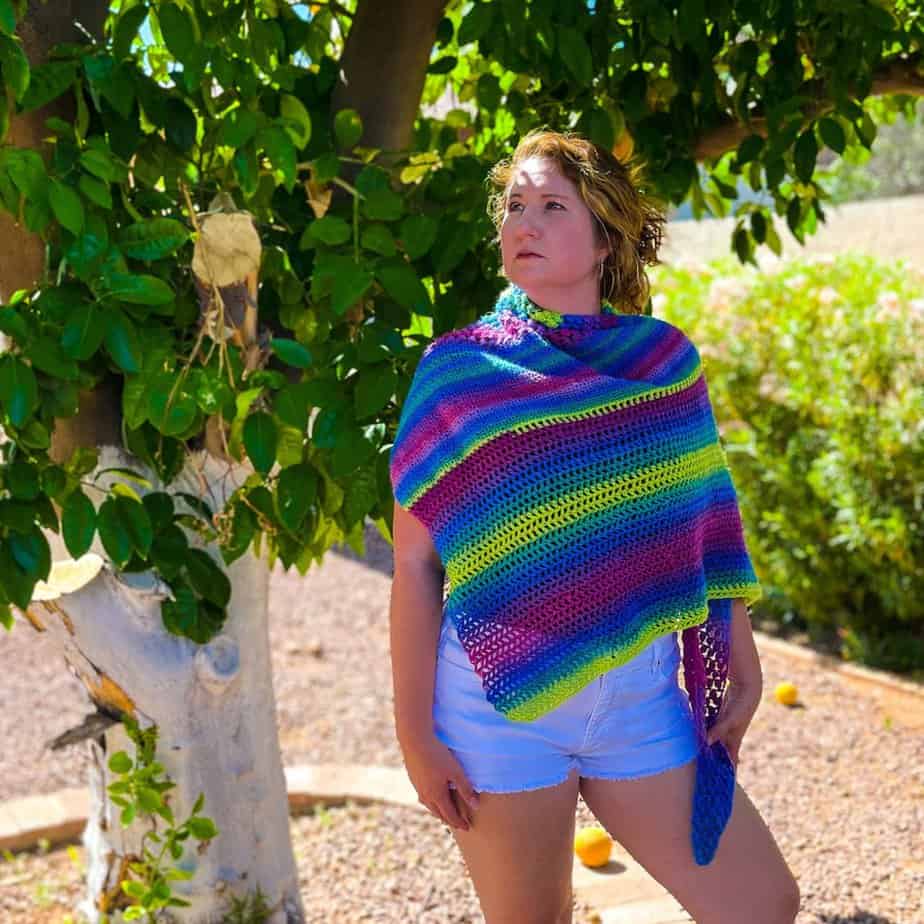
569	471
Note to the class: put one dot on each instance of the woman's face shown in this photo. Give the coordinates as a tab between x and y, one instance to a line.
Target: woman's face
548	244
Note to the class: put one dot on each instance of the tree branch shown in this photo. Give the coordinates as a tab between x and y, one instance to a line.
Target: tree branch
896	76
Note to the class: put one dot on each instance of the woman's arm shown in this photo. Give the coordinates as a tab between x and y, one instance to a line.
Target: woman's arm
415	616
745	686
744	660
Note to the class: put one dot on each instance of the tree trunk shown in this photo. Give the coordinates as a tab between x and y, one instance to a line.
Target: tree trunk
384	65
213	705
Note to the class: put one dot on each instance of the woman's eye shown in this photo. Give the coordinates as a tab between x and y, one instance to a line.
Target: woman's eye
556	204
511	206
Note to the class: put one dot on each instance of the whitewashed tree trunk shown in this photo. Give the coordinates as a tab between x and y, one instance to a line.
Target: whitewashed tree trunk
213	705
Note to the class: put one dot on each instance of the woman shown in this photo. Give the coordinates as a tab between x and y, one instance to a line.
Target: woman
558	461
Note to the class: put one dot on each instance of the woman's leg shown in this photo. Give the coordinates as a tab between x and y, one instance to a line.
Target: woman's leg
747	880
519	852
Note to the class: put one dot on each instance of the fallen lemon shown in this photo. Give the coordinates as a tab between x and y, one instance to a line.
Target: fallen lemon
593	846
786	693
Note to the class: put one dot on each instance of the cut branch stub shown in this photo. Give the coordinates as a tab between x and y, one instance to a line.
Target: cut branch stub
226	262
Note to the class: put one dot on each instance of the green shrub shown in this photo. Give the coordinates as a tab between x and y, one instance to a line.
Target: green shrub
816	374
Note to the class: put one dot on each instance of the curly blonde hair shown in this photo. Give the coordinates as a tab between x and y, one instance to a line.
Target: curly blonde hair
628	220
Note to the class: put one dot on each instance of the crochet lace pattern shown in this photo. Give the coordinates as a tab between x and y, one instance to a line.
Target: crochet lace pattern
569	471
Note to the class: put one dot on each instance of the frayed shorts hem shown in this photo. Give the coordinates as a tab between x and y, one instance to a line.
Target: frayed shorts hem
502	789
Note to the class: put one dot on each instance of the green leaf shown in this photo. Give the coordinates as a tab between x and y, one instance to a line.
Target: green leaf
139	289
66	205
291	352
202	829
804	155
260	440
348	128
96	191
418	232
17	585
750	149
6	617
83	332
741	241
278	147
12	323
7	17
149	799
575	52
126	817
100	164
759	226
383	205
325	167
296	488
47	82
238	127
122	342
32	553
207	577
114	533
120	762
349	288
181	413
476	23
181	124
378	239
331	230
47	354
22	479
403	285
126	28
169	550
78	523
18	389
832	134
178	29
443	65
374	390
246	167
152	239
297	119
292	405
15	66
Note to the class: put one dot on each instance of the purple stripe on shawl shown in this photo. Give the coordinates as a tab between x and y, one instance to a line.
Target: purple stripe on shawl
457	489
635	565
455	412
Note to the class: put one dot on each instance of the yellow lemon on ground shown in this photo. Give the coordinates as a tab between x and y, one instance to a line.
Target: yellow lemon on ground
593	846
786	693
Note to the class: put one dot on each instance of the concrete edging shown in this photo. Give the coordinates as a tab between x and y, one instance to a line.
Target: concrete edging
856	672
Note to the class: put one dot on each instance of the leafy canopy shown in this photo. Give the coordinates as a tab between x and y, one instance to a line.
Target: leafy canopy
367	253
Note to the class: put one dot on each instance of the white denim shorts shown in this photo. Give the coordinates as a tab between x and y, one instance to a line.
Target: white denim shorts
631	721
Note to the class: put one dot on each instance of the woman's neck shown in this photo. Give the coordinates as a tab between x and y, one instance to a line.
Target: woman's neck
570	300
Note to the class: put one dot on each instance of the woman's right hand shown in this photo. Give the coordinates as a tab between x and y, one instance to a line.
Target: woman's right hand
431	766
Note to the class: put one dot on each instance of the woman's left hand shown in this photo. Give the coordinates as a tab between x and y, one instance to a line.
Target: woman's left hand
740	704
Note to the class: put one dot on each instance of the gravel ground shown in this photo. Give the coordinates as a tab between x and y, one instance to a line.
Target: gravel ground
839	778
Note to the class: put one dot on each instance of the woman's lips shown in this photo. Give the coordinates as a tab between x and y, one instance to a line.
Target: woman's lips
529	256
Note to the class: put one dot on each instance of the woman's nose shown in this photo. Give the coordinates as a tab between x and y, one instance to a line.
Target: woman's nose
526	226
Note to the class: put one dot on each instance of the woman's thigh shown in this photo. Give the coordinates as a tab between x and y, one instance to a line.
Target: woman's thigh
747	879
519	853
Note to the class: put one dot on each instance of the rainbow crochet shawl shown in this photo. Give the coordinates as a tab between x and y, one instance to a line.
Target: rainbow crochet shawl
569	471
